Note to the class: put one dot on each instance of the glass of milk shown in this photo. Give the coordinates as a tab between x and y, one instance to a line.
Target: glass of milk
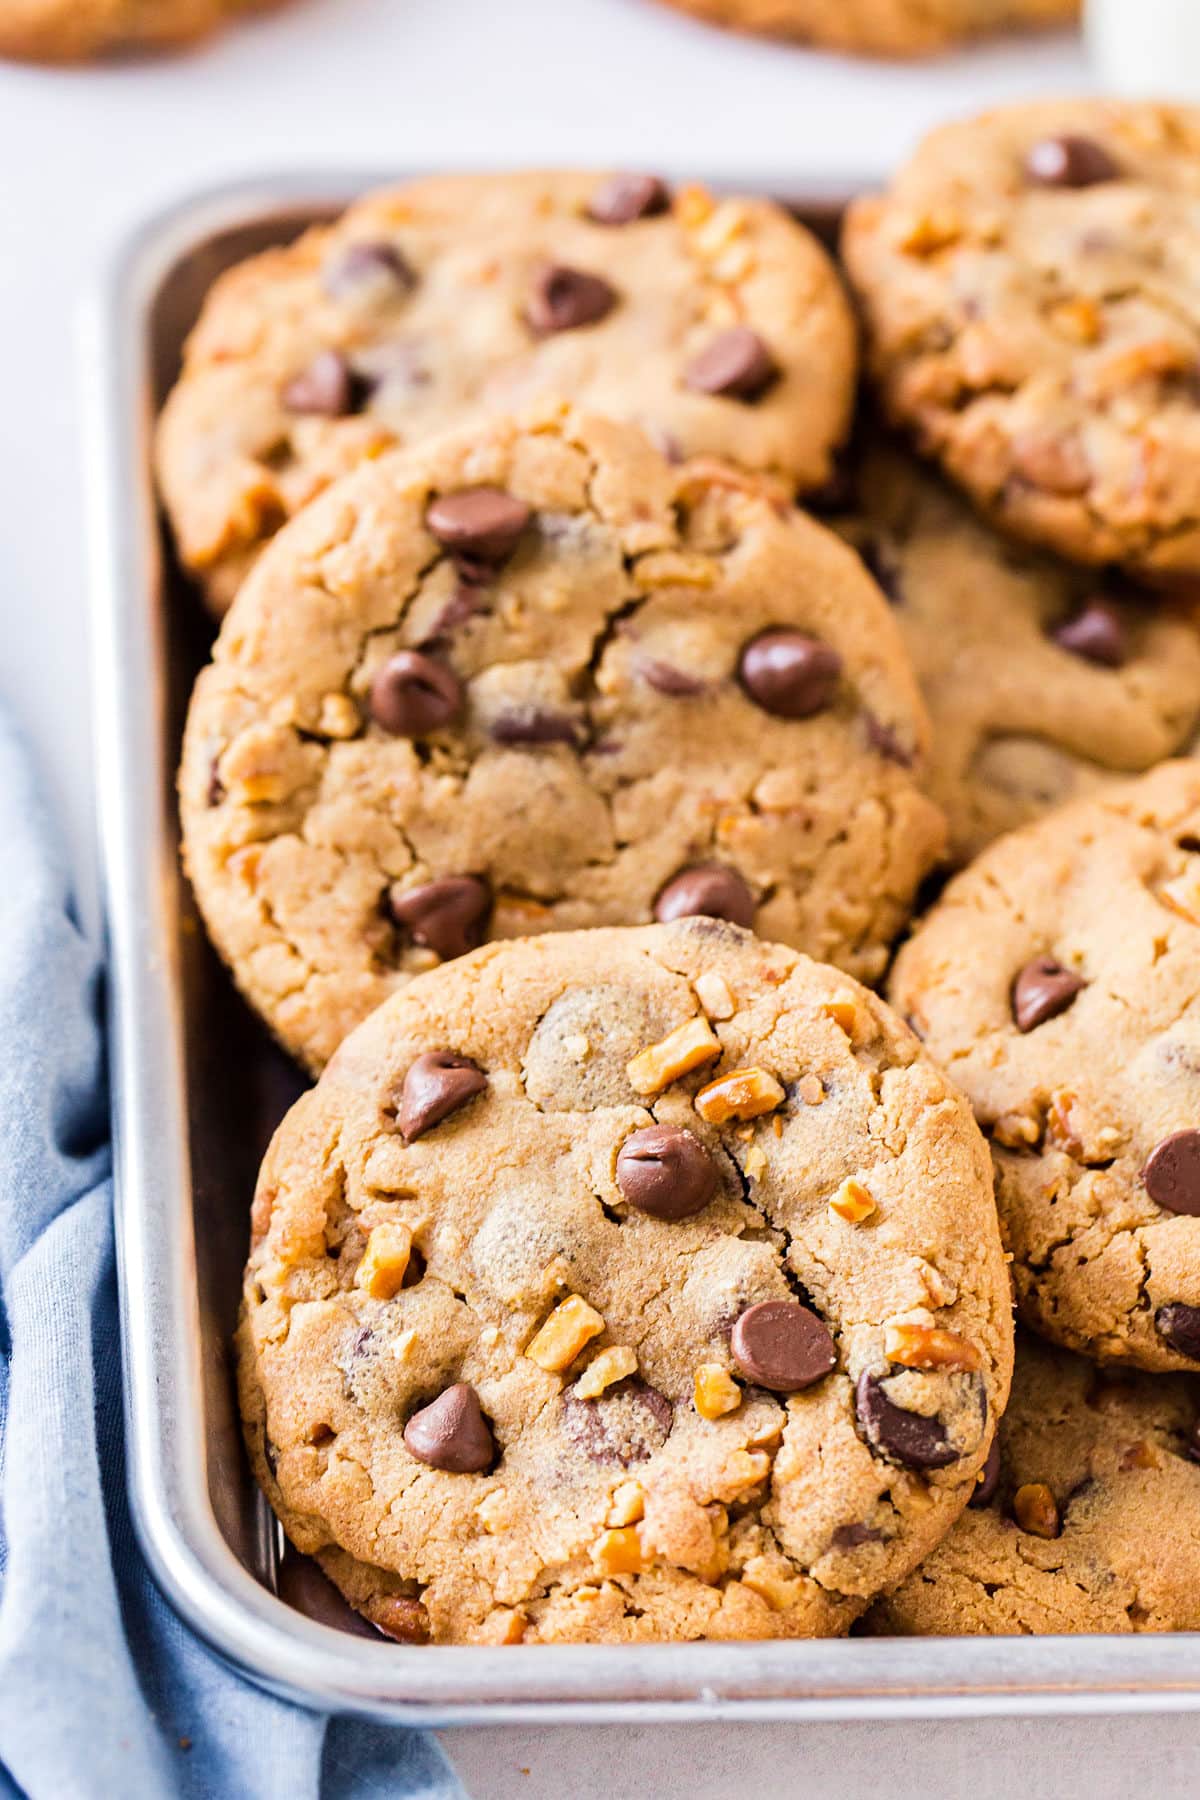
1148	47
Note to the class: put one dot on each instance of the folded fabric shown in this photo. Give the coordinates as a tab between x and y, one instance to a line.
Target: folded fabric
103	1692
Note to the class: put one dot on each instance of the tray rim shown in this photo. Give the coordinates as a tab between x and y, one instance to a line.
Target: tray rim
192	1563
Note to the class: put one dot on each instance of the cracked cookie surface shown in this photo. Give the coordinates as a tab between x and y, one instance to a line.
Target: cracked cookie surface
883	27
77	30
1043	681
1057	982
719	325
624	1285
659	693
1028	282
1088	1521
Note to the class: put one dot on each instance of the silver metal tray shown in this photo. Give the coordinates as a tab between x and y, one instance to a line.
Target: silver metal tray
197	1090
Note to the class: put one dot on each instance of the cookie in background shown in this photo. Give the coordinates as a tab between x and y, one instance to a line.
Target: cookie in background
67	31
1057	982
889	28
1085	1519
535	677
720	325
1043	681
1028	283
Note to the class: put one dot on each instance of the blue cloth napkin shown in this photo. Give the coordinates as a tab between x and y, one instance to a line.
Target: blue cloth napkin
104	1694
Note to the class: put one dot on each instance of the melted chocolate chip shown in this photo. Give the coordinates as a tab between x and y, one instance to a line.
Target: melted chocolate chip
483	524
1070	161
535	725
910	1439
709	890
782	1345
374	270
414	693
436	1085
1172	1173
563	299
627	1424
623	198
328	387
735	364
885	743
215	791
789	674
664	1171
451	1433
448	915
850	1537
989	1477
1179	1326
1041	991
1095	633
665	678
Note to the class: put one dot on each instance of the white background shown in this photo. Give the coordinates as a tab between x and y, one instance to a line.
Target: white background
409	84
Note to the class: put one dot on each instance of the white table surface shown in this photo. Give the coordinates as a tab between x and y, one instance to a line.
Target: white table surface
409	83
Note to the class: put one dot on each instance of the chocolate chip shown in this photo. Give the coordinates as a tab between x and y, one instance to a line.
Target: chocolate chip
215	792
483	524
328	387
451	1433
627	1424
1096	633
623	198
989	1477
374	270
884	569
850	1537
448	915
464	604
735	364
534	725
563	299
436	1085
709	890
1179	1326
1172	1173
782	1345
1042	990
413	694
1070	161
664	1171
665	678
884	741
910	1439
789	674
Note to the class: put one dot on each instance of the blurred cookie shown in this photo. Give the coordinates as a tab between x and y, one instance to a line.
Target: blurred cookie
535	677
1058	983
1086	1519
625	1285
1043	681
77	30
883	27
720	325
1029	287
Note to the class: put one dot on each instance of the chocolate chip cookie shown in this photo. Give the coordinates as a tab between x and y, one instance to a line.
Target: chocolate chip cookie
624	1285
1087	1518
536	677
1058	983
77	30
720	325
1029	286
883	27
1043	681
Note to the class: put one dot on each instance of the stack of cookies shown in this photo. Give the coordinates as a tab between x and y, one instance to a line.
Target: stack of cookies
558	792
